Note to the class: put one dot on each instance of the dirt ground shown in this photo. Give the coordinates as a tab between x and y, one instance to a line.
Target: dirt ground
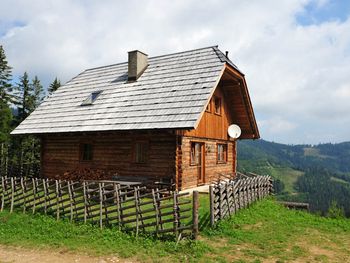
10	254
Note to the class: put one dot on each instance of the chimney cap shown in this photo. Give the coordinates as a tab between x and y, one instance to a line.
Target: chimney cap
136	50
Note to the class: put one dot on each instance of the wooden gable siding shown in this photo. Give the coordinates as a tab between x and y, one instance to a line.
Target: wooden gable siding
112	153
237	95
212	125
211	131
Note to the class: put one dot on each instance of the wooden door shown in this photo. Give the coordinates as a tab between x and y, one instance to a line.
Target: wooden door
200	161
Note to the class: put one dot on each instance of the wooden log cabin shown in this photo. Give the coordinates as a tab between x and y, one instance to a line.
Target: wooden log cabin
162	118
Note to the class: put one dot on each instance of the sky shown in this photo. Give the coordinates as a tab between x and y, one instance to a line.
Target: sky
295	53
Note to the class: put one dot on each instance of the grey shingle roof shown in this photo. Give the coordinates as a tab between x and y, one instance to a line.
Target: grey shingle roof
171	93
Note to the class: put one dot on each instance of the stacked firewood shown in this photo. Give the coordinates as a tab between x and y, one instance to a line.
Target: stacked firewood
80	174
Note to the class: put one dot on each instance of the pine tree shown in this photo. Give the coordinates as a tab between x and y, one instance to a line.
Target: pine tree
26	99
5	112
5	128
54	86
5	78
38	91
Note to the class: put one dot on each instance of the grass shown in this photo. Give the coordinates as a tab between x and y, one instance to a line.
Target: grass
45	232
314	152
265	231
287	175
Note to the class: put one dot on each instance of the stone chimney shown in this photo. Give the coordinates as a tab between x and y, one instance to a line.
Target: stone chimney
138	62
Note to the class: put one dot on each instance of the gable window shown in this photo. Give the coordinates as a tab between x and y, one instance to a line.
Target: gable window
86	152
140	152
91	98
217	105
208	109
222	153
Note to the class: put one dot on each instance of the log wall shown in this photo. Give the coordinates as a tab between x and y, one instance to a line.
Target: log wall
189	173
112	153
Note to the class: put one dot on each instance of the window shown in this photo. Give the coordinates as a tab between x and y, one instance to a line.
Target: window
217	105
140	152
196	153
208	109
86	151
91	98
222	153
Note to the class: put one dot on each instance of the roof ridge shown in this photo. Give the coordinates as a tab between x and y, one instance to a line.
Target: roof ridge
186	51
169	54
223	58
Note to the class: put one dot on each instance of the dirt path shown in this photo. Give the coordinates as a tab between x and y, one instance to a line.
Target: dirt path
10	254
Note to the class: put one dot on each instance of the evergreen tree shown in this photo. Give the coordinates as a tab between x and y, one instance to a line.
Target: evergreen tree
54	86
26	99
5	111
38	91
5	78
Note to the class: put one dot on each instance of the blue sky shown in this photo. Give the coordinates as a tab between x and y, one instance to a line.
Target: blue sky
295	53
329	11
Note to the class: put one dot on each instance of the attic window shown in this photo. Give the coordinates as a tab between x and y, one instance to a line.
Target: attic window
217	105
91	98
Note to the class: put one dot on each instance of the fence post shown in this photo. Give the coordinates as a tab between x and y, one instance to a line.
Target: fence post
212	208
101	203
12	194
3	185
195	214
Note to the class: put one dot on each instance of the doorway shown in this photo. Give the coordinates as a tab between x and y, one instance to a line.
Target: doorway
198	160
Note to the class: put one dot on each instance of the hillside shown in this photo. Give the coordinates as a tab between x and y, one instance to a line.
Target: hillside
264	232
318	174
333	157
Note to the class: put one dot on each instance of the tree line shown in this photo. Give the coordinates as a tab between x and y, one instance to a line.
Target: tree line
19	155
325	182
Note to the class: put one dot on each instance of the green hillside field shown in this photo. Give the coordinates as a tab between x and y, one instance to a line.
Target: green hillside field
264	232
317	174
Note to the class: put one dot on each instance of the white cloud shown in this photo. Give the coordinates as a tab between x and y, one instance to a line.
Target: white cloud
276	125
298	75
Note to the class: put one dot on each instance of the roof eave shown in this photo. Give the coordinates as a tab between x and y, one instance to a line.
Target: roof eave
248	103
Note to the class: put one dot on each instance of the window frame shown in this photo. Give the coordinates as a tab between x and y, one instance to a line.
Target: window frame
144	152
91	98
193	160
215	105
209	107
224	153
82	152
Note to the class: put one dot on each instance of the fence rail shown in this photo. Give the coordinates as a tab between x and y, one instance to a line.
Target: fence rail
228	196
106	203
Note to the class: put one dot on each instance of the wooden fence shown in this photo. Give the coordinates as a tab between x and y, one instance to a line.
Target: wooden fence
106	203
228	196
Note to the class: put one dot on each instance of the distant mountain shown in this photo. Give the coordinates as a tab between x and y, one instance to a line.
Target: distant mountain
318	174
333	157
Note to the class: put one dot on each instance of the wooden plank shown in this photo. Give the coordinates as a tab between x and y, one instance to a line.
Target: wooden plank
101	203
211	198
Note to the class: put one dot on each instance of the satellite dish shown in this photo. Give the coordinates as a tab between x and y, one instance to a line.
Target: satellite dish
234	131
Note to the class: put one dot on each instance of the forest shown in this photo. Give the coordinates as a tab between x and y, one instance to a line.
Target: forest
317	174
19	155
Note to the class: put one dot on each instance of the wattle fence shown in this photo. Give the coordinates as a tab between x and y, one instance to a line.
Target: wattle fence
230	195
137	209
105	203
